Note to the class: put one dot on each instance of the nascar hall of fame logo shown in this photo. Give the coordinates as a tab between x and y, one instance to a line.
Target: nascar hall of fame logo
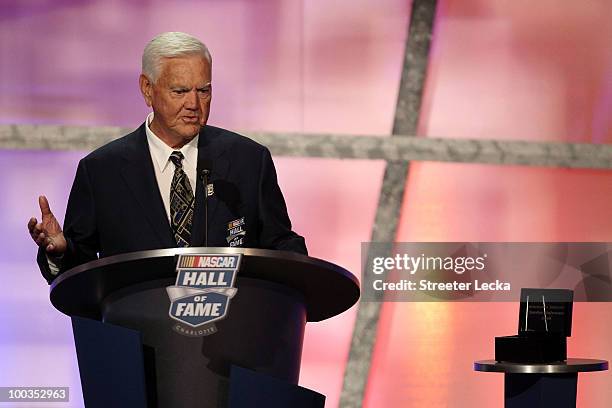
202	293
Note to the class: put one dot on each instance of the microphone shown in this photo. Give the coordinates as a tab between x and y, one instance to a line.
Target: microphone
205	174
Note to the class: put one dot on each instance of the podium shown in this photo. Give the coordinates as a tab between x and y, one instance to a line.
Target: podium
130	356
541	385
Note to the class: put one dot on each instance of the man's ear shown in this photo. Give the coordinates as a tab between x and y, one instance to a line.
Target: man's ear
146	88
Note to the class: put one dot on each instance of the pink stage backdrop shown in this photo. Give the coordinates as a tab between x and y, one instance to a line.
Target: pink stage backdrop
498	69
506	70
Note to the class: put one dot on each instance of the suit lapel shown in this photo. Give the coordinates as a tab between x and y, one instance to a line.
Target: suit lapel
211	156
139	174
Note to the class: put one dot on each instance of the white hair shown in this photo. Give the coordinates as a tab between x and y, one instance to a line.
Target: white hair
168	45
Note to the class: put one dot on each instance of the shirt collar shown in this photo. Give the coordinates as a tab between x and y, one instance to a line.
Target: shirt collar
160	151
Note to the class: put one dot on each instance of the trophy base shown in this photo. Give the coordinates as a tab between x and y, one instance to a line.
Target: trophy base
531	349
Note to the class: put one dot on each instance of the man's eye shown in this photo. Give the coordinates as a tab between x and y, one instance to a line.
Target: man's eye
205	91
179	91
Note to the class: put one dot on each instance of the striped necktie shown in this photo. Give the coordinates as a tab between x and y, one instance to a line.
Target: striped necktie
181	202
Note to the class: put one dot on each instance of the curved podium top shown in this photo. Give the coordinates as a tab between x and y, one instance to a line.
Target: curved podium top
328	289
571	365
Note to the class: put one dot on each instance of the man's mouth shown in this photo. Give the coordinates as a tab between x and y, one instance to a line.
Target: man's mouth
191	119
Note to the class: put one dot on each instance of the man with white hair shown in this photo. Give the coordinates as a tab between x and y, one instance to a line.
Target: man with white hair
147	190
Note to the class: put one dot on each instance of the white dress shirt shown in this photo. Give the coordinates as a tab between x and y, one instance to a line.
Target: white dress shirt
164	169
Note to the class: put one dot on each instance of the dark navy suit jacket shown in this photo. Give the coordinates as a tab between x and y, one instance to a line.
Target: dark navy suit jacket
115	205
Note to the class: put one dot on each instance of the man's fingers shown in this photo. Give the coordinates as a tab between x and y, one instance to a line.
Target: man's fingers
41	239
36	231
32	224
38	228
44	206
45	232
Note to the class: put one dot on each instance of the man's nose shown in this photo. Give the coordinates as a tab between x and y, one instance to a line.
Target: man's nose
191	99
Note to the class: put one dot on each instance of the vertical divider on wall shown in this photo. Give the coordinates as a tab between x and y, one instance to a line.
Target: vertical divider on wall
407	111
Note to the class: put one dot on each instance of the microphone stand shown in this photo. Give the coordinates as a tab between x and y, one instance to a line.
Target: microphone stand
205	174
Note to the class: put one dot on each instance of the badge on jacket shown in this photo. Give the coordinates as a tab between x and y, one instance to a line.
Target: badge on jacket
236	232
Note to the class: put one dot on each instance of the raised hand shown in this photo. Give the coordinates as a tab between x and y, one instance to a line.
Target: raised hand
47	233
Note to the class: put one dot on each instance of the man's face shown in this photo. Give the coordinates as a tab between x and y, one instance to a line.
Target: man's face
180	98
